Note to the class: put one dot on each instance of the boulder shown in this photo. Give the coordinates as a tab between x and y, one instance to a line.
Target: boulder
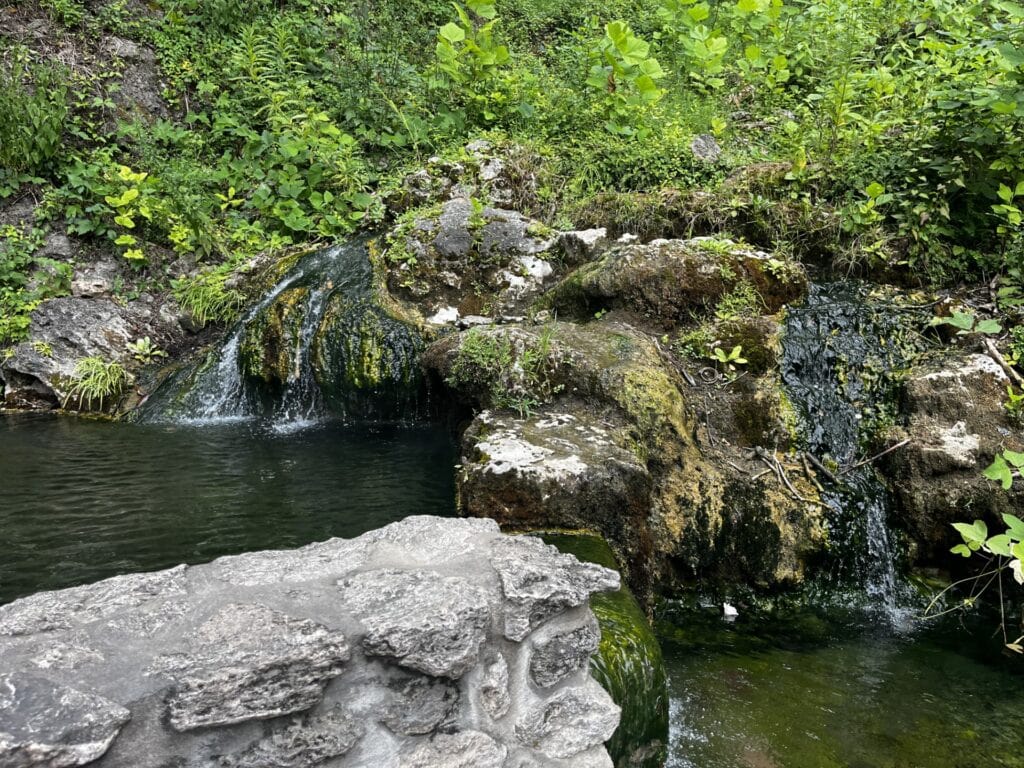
664	281
41	371
469	257
376	651
953	415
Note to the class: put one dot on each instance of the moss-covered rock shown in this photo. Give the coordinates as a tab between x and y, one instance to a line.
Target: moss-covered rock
702	513
953	415
270	345
628	663
666	281
361	354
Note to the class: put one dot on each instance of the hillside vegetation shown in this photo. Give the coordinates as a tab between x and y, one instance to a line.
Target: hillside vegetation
884	137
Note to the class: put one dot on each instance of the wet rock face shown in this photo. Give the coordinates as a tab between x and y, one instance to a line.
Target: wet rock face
956	423
419	645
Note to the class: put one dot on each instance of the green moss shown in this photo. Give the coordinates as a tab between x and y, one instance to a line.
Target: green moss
628	663
267	349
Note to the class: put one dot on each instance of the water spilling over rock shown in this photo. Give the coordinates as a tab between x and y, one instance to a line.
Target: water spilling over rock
317	343
838	352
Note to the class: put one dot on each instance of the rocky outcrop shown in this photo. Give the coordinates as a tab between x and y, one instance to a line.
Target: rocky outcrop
605	440
954	419
41	370
667	280
430	643
467	258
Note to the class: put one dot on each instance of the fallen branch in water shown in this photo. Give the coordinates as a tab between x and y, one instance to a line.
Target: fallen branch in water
888	450
829	475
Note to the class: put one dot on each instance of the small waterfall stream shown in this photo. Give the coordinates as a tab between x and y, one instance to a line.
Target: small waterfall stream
837	353
314	346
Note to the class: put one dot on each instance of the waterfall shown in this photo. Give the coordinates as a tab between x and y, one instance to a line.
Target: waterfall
301	354
838	351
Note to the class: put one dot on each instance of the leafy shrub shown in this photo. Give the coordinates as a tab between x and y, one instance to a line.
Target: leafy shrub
623	75
25	279
33	108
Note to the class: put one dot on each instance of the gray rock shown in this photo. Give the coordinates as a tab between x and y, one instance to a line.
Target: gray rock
563	653
249	662
304	743
419	705
95	280
426	622
581	246
53	726
571	721
468	749
494	691
57	246
540	582
49	611
706	149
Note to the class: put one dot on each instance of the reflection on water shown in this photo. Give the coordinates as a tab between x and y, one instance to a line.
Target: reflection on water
83	500
817	695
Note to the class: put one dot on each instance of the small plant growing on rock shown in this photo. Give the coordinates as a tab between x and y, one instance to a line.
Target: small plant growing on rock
728	360
145	351
95	381
206	296
966	323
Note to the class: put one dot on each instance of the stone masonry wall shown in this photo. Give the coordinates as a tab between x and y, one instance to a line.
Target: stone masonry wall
431	643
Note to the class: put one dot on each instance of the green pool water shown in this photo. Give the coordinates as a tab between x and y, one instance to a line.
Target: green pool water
82	500
819	694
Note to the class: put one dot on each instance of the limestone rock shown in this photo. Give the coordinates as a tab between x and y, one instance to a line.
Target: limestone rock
107	599
571	721
305	742
540	582
563	653
468	749
419	705
580	246
249	662
494	252
493	686
706	149
667	280
53	726
426	622
956	423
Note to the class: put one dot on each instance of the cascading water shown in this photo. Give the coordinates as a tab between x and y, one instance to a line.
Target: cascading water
313	346
837	352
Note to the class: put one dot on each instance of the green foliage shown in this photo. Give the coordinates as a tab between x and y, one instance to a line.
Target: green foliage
67	12
206	296
95	380
728	360
25	279
516	375
966	323
145	351
623	76
469	61
33	108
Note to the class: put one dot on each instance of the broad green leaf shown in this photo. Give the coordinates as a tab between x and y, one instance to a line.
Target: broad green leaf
1014	525
961	549
453	33
1005	193
999	471
999	545
973	534
1015	458
988	326
874	190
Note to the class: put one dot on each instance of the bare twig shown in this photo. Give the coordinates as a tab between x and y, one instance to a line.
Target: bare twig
816	462
887	451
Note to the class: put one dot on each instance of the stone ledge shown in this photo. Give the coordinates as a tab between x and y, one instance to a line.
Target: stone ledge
413	645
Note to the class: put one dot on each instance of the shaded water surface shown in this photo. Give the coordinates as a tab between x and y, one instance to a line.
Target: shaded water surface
811	694
83	500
